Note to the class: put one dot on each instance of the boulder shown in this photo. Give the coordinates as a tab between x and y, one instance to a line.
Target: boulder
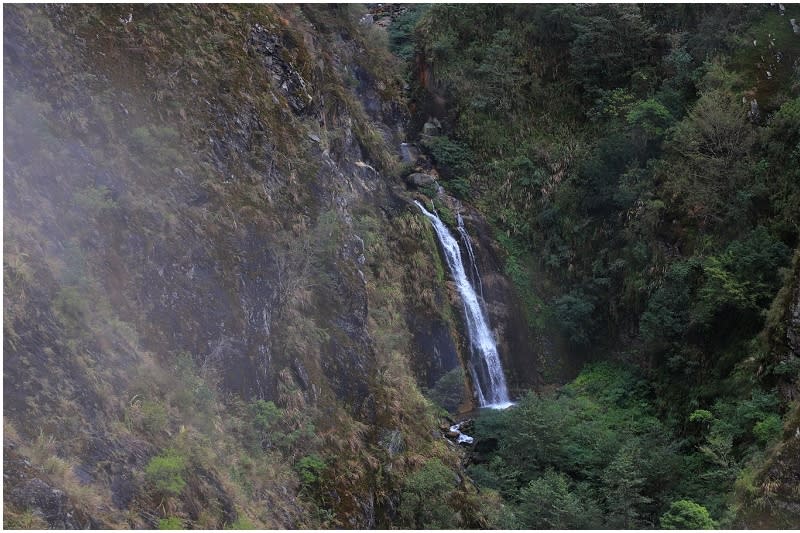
418	179
430	128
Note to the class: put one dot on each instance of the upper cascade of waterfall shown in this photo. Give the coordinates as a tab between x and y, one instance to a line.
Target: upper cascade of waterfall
484	366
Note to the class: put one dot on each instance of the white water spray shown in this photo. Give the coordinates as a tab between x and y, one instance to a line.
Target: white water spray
484	366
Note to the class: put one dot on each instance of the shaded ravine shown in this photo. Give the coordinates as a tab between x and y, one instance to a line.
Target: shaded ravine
484	364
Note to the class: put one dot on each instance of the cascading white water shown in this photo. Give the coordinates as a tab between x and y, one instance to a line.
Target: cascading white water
485	368
468	245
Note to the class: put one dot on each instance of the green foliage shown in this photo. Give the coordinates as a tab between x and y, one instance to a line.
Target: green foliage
701	416
769	429
574	314
241	522
601	60
451	158
94	200
549	503
650	116
449	389
154	417
191	392
172	522
310	469
581	450
24	520
686	514
71	306
401	32
623	484
157	143
425	498
165	473
265	415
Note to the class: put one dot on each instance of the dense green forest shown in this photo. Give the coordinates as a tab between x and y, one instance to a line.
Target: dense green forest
641	168
223	309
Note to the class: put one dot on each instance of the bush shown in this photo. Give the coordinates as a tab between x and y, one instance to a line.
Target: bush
265	415
157	143
451	157
574	312
71	306
448	391
154	417
548	503
651	117
310	469
172	522
424	502
241	523
769	429
94	200
165	473
685	514
401	32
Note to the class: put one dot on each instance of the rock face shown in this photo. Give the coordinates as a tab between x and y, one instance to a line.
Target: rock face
518	346
179	247
417	179
47	502
26	490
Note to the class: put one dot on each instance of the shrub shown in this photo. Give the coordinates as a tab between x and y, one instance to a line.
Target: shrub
449	389
154	417
310	469
424	501
685	514
650	116
768	429
452	158
171	522
165	473
574	312
94	200
241	523
701	416
265	415
548	503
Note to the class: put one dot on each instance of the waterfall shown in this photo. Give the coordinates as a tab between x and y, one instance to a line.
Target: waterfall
484	365
468	245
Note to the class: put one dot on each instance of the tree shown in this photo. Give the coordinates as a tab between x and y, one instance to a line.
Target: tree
612	42
623	483
709	164
686	514
549	503
574	313
424	502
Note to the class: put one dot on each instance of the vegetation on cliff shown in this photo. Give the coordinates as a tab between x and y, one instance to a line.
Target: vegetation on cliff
204	324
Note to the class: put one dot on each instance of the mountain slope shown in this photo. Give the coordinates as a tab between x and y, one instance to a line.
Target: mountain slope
210	272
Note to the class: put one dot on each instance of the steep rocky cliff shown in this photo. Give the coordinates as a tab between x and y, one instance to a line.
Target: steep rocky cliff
220	308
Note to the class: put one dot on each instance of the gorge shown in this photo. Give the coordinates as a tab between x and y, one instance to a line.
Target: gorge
570	299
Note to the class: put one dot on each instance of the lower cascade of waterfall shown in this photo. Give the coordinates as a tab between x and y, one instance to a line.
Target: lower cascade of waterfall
484	365
461	438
